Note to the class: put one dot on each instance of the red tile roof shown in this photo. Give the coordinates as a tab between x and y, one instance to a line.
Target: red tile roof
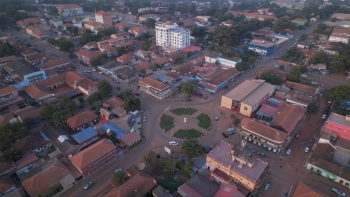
161	60
138	29
4	166
189	191
36	92
26	161
89	54
303	190
191	49
126	58
288	117
81	119
6	183
93	153
103	13
7	90
52	63
160	86
130	138
143	65
120	25
113	103
68	6
94	24
7	59
44	179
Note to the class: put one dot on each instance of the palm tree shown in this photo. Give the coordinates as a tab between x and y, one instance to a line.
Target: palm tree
119	178
59	119
12	154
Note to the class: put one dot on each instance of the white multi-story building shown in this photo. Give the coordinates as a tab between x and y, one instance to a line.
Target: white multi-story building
70	10
339	38
170	35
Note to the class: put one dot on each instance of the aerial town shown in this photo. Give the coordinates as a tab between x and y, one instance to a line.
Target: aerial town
174	98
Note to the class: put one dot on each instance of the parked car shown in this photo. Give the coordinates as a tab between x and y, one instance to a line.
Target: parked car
117	81
144	119
326	111
324	116
216	118
94	70
289	151
261	154
118	88
225	135
267	186
137	94
337	191
297	136
306	149
118	170
252	149
88	185
173	143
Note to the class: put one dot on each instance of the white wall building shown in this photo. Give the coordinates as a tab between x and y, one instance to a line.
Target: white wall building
70	10
222	61
170	35
339	38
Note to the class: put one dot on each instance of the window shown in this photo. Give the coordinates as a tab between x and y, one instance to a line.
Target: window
347	184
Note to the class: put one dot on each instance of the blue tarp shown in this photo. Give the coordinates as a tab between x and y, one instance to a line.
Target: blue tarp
118	131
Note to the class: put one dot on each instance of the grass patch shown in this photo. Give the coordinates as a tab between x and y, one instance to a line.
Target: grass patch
184	169
171	184
135	144
167	123
342	111
187	134
183	111
204	121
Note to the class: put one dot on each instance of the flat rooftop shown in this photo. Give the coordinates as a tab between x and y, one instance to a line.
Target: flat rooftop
250	91
339	119
262	43
222	154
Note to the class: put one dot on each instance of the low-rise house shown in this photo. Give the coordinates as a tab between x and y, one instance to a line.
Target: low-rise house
126	59
109	50
9	95
127	74
129	46
339	38
218	80
56	175
6	167
138	184
37	33
161	192
162	61
86	137
25	51
28	21
320	67
33	143
5	60
106	114
147	16
137	31
54	67
228	23
39	58
144	68
120	26
110	67
84	119
142	54
113	103
253	15
88	56
91	45
29	116
130	139
25	163
95	157
7	186
155	88
222	61
302	189
341	31
111	42
56	22
94	26
70	10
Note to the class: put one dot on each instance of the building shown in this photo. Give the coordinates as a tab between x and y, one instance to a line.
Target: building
222	61
248	96
137	31
55	176
80	121
130	139
339	124
28	21
341	16
5	60
33	143
104	18
322	162
299	21
56	22
95	157
138	184
113	103
94	26
339	38
218	80
36	33
155	88
54	67
302	190
148	16
86	137
254	15
263	48
232	163
170	35
120	26
88	56
341	31
70	10
126	59
128	74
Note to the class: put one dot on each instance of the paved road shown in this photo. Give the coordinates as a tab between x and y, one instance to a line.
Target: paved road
155	139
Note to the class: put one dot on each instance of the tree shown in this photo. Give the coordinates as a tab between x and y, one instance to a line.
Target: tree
6	49
104	88
189	88
192	148
303	69
97	105
11	154
271	78
126	29
96	62
120	51
94	97
119	178
338	93
236	121
169	163
319	57
126	94
68	104
189	164
48	111
294	74
132	103
65	45
312	108
143	72
242	66
81	100
302	37
59	119
150	158
150	23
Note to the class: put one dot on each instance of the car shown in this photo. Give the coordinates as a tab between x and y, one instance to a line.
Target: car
326	111
262	66
206	150
297	136
306	149
118	88
337	191
144	119
88	185
94	70
328	108
253	74
173	143
267	186
118	170
225	135
101	73
117	81
261	154
216	118
324	116
289	151
137	94
230	129
252	149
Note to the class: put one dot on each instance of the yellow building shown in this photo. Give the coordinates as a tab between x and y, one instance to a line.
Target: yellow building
247	97
229	163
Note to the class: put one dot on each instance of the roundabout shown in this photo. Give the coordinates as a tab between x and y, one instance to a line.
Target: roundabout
185	123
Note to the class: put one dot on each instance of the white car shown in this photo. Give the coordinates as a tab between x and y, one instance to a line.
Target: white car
94	70
324	116
307	149
337	191
118	170
230	129
173	143
88	185
101	73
